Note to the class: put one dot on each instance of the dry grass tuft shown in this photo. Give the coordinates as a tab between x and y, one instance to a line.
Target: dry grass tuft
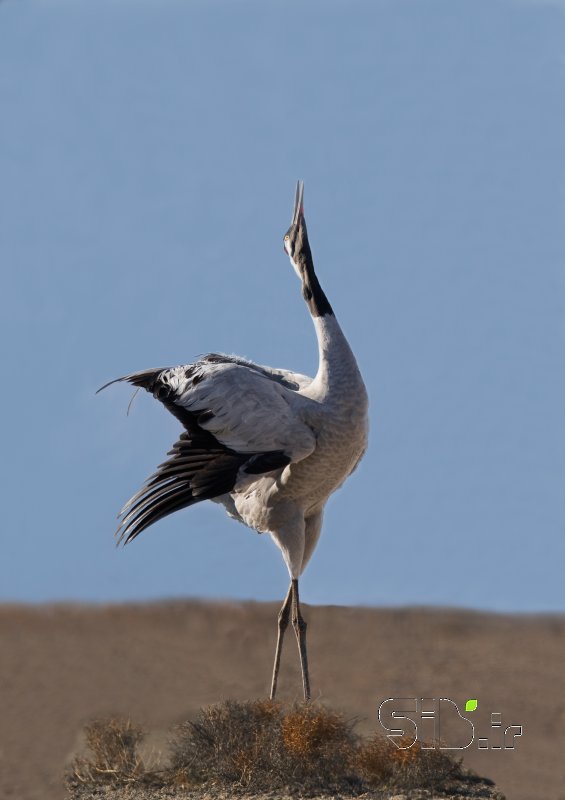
113	744
225	744
307	730
258	746
264	746
419	766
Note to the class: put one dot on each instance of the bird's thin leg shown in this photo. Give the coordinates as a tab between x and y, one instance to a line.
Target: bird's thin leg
284	616
300	630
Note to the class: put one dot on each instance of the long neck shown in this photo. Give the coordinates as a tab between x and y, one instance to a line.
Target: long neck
337	365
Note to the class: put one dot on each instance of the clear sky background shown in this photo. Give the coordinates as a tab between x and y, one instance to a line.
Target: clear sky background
148	158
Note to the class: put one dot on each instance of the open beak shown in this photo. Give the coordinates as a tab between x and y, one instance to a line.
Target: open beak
298	203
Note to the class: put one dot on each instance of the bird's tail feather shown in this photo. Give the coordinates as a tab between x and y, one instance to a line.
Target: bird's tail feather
144	380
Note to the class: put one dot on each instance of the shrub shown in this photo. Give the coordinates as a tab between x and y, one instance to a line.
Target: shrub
113	745
257	746
381	762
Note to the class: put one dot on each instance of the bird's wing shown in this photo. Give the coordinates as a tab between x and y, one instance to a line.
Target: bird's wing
239	422
288	378
243	406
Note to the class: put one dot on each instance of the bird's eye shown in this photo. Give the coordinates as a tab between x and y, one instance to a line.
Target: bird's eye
287	237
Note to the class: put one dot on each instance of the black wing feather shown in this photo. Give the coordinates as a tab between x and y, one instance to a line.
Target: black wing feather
199	468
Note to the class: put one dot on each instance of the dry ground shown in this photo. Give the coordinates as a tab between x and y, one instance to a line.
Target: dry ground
158	663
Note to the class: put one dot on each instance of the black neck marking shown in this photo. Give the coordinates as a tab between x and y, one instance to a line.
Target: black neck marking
312	292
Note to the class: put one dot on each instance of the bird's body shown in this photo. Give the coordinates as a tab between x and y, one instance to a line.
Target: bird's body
270	445
334	410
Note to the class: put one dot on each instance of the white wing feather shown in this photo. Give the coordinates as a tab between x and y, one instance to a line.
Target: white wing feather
250	411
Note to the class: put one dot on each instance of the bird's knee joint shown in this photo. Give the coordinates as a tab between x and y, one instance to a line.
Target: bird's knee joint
299	624
283	618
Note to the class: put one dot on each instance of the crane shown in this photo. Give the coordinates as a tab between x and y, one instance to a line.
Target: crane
270	445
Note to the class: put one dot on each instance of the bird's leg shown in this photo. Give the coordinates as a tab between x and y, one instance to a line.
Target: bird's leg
300	630
284	616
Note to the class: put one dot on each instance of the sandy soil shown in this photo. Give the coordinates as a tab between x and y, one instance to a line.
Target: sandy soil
478	792
60	666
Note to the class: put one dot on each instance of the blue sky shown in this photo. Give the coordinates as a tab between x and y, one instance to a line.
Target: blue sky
148	157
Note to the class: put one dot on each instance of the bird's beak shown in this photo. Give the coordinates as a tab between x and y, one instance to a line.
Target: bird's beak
298	203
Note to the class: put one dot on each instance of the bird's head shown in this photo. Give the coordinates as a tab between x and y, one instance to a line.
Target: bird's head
295	241
298	248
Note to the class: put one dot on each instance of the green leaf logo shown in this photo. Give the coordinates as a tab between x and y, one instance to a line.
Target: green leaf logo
471	705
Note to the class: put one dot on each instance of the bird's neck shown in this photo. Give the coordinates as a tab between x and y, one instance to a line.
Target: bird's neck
318	303
337	369
338	373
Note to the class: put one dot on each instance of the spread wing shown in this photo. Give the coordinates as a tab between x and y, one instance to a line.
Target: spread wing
240	420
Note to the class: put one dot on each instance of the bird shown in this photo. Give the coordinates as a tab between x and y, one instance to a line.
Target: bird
270	445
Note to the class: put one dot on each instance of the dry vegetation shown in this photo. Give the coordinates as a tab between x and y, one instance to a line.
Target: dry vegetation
113	746
262	746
